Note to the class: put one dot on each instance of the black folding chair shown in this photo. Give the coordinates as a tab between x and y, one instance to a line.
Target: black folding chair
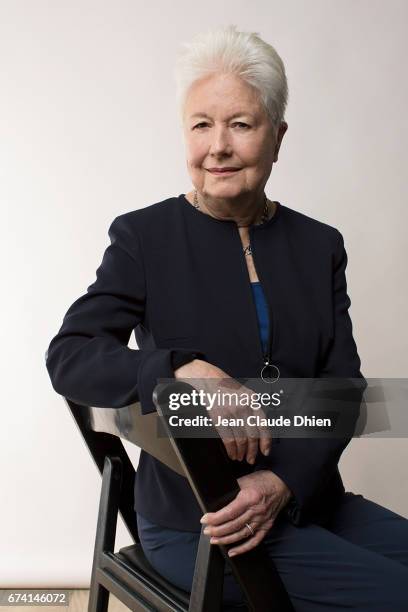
204	462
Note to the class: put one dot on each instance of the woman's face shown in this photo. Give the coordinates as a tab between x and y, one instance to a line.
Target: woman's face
225	125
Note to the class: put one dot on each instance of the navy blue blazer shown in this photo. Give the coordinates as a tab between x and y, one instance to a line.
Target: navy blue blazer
178	278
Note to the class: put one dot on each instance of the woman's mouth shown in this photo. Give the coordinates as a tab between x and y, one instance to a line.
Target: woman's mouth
223	172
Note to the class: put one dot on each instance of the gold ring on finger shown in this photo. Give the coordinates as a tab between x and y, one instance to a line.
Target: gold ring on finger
250	529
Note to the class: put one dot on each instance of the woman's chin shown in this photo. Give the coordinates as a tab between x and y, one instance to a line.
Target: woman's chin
222	191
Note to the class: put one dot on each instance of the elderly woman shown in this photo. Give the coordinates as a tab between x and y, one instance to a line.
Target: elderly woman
222	282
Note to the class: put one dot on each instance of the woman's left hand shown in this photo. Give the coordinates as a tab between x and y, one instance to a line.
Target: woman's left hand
263	495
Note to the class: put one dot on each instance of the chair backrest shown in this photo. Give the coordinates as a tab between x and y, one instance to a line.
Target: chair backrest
203	461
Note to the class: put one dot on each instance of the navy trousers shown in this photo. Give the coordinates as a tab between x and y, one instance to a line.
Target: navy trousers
357	561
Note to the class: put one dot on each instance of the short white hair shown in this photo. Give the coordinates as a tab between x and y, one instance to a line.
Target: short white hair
245	54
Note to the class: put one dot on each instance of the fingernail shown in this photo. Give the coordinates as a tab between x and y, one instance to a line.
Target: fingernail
206	530
232	553
203	519
266	452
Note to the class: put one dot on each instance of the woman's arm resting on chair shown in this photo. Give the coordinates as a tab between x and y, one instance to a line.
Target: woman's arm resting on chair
88	360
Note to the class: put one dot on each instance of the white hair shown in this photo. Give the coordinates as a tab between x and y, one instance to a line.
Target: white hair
245	54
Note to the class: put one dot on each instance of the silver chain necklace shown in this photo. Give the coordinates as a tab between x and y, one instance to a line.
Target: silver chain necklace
265	216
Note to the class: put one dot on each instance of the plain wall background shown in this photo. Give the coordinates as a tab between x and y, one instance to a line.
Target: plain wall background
89	130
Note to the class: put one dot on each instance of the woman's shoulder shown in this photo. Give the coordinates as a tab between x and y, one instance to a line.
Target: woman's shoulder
308	227
157	211
304	221
135	229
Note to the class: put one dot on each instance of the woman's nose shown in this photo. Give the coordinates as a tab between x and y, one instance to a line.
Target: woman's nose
220	141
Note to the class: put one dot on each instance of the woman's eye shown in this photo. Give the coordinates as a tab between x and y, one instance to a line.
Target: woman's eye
240	124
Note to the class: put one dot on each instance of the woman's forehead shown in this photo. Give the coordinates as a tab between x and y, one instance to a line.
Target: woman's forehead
204	101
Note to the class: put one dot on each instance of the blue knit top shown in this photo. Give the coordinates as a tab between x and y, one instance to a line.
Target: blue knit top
262	312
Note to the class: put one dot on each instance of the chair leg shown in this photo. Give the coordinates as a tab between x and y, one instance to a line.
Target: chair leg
105	530
208	581
98	598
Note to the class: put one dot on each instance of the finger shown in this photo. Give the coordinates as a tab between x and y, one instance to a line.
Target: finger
227	436
248	503
265	437
235	525
230	512
231	448
252	449
248	544
265	443
240	532
241	444
233	537
239	432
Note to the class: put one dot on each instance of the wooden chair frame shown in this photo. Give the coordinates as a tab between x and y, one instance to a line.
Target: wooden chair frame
205	463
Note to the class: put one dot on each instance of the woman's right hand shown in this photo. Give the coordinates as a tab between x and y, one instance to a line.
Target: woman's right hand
240	442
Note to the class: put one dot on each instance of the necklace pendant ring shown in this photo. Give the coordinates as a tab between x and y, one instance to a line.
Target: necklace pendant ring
270	373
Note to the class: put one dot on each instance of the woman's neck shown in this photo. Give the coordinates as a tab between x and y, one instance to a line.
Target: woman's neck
246	214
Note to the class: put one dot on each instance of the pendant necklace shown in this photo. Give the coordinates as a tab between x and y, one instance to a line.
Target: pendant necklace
265	215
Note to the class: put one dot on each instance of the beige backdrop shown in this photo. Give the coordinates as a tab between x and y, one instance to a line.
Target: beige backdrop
88	130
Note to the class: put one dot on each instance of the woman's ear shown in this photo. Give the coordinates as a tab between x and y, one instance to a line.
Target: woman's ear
279	136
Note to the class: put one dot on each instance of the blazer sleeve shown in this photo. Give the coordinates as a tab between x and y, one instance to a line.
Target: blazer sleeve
307	464
88	360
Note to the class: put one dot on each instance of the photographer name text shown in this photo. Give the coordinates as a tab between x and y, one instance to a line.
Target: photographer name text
253	420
